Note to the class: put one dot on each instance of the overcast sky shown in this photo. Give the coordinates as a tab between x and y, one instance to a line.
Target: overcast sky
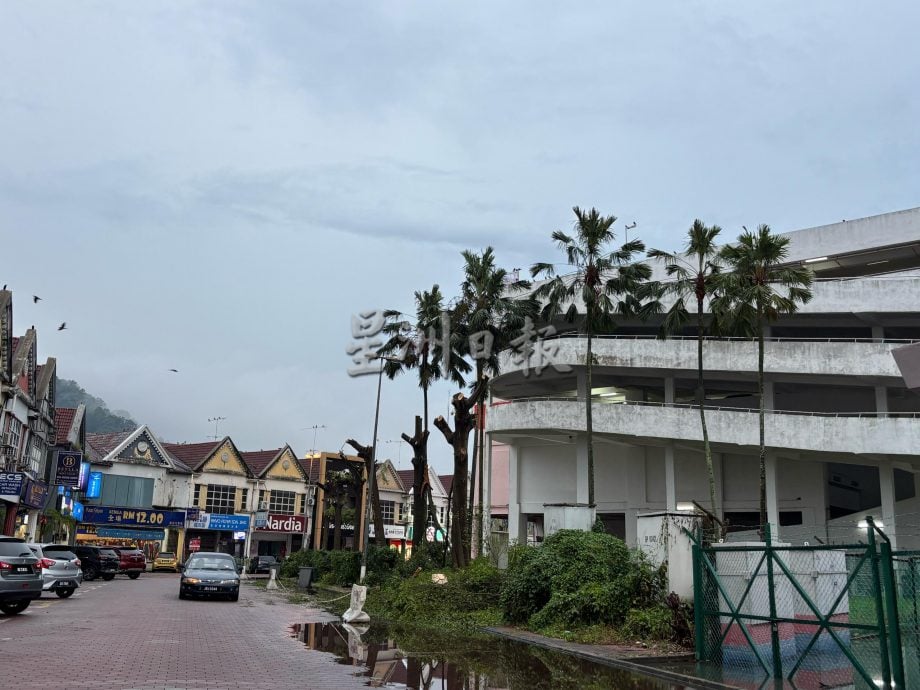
217	187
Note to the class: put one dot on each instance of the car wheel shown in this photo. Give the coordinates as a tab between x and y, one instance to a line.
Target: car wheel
64	593
11	608
134	576
182	595
90	573
108	576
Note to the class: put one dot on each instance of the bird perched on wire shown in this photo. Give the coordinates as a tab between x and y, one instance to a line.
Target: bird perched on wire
63	326
36	299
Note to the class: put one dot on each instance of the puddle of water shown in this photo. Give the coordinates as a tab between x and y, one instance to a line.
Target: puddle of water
402	658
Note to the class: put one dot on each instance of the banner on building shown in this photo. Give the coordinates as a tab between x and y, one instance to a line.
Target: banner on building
94	485
220	523
35	494
67	466
11	486
389	531
291	524
128	533
133	517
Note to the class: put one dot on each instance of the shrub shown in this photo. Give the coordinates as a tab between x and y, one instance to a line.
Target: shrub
648	623
345	567
381	564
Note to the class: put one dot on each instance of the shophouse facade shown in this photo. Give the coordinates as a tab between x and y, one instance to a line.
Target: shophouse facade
143	493
438	497
842	429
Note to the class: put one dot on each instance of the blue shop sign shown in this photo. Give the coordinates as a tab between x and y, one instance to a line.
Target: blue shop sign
11	483
133	517
94	485
228	523
127	533
77	511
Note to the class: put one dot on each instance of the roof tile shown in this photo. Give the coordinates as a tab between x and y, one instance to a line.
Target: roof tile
63	420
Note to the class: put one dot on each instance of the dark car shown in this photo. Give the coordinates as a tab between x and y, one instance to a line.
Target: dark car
262	564
132	562
20	577
96	561
210	574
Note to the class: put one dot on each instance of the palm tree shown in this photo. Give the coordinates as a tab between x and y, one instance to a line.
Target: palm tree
693	272
488	316
608	283
420	345
756	289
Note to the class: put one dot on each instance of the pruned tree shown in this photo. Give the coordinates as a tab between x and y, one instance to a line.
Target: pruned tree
366	453
458	438
419	444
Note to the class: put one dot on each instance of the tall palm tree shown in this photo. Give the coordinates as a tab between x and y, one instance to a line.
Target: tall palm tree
757	287
608	283
423	345
693	272
491	311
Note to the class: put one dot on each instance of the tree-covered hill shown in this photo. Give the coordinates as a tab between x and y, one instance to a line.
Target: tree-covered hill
99	419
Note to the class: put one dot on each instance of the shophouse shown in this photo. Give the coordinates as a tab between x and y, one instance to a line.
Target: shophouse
143	493
842	429
324	468
26	430
438	497
284	494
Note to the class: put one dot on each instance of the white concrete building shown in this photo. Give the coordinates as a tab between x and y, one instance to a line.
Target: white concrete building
842	429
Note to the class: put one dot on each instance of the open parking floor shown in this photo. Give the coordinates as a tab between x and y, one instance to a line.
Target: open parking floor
138	634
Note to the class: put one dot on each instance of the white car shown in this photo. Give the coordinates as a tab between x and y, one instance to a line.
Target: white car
60	569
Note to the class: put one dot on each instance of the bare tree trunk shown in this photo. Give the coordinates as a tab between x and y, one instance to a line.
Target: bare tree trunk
419	443
337	530
474	517
701	401
458	438
366	453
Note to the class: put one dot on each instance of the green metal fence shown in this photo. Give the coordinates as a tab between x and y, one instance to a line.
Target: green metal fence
817	616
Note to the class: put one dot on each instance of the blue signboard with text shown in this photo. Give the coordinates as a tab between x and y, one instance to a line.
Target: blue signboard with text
94	485
77	511
11	485
228	523
133	517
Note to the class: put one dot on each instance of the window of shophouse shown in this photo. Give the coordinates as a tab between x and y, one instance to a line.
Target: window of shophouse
388	511
301	504
220	499
281	502
197	494
262	505
13	436
244	498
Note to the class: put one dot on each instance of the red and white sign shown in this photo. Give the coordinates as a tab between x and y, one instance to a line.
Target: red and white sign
290	524
194	544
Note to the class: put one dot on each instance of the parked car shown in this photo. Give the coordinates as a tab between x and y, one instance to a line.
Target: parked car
210	574
20	577
166	560
262	564
60	570
132	561
96	561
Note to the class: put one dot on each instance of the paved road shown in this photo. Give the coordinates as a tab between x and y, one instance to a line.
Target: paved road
138	634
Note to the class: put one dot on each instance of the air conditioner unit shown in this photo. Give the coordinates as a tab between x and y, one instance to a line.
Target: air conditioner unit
310	500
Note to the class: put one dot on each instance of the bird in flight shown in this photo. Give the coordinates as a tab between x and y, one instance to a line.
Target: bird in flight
175	371
63	326
36	299
630	227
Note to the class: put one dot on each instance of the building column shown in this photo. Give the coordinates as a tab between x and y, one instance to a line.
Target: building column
581	468
487	492
886	484
670	483
517	523
881	400
772	496
878	333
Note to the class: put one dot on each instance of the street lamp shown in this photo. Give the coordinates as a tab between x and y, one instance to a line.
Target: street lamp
373	473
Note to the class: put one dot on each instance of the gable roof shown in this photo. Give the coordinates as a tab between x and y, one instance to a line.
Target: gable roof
258	460
407	477
63	421
103	444
115	447
193	454
310	467
388	467
447	481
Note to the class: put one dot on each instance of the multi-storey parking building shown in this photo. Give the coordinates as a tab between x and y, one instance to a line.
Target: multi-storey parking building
842	430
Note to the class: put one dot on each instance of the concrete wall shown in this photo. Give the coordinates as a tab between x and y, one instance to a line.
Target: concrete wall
846	435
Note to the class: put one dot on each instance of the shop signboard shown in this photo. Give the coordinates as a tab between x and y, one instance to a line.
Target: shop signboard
35	494
94	485
194	544
219	523
129	533
260	519
84	476
77	511
197	519
291	524
67	466
11	486
389	531
133	517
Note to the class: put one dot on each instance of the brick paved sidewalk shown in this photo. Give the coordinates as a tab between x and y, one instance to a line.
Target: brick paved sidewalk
137	634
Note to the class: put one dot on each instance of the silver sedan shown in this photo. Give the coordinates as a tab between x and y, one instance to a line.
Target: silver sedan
61	571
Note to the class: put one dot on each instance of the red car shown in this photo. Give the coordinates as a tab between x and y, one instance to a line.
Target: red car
132	561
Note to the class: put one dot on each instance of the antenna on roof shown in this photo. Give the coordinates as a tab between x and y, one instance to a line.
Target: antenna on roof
315	427
216	420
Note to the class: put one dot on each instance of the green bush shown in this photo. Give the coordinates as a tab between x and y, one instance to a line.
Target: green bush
382	562
345	567
578	578
654	623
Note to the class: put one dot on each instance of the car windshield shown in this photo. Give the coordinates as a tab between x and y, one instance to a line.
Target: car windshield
211	563
60	554
14	549
267	559
166	554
